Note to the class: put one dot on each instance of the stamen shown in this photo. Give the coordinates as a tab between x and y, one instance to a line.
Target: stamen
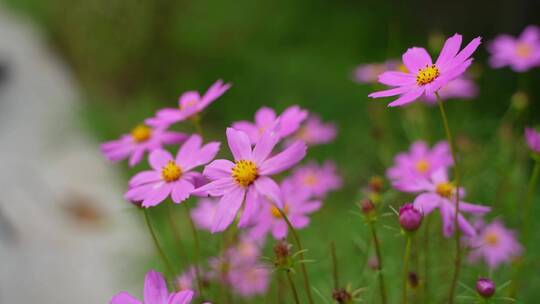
141	133
244	172
275	212
422	166
427	75
445	189
310	179
523	50
491	238
171	172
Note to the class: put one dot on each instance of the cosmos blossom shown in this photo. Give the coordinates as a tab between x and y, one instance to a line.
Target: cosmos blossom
369	73
248	177
533	139
495	244
438	192
459	88
316	132
290	121
297	207
203	214
424	76
418	163
520	54
142	139
171	176
155	292
318	180
189	104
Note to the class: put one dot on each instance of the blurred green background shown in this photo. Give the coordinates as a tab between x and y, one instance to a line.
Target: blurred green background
133	57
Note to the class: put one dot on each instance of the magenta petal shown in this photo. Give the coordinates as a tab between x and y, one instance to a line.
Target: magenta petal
207	153
264	117
159	158
467	51
466	227
219	168
407	97
182	297
279	231
227	209
181	190
251	208
426	202
472	208
449	50
264	146
391	92
216	188
188	151
269	189
155	288
251	130
416	58
284	160
393	78
157	195
239	144
447	216
136	156
124	298
144	177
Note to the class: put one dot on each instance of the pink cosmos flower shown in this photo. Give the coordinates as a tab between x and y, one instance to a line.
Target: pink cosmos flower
418	163
297	208
460	88
439	193
155	292
203	214
189	104
290	120
141	139
315	132
424	76
317	180
495	245
521	54
248	176
171	176
368	73
250	281
533	139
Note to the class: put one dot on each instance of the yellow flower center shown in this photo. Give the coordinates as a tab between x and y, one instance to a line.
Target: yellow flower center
403	68
171	172
427	75
244	172
523	50
445	189
422	166
310	179
141	133
275	211
491	239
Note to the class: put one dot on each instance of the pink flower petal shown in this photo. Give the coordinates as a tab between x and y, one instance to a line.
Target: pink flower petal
157	195
473	208
279	231
181	190
449	50
239	144
391	92
182	297
136	156
159	158
219	168
427	202
251	208
155	288
407	98
284	160
227	209
144	177
394	78
216	188
188	151
265	145
269	189
264	117
416	58
124	298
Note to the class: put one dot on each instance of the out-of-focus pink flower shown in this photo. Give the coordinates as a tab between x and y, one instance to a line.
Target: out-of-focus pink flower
317	180
155	292
424	76
533	139
368	73
418	163
265	117
520	54
189	104
250	281
171	176
439	193
459	88
141	139
248	176
298	206
315	132
203	214
494	244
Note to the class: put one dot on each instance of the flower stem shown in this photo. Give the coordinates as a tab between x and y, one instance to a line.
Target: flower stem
382	288
426	262
406	268
197	122
528	202
457	261
307	286
196	249
160	251
334	265
176	234
293	288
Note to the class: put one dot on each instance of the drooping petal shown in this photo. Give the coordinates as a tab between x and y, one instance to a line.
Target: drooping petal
136	156
182	297
473	208
159	158
407	97
251	207
219	168
394	78
157	195
427	202
181	190
124	298
391	92
279	230
144	177
155	288
447	216
269	189
227	209
239	144
416	58
284	160
449	50
466	227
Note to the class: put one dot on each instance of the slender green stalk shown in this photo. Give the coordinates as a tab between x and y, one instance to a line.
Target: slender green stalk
334	265
457	261
307	285
406	269
293	288
197	122
196	250
160	251
426	262
382	287
528	202
176	235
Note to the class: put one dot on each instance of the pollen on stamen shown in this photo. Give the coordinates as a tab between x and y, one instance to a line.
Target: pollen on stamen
422	166
445	189
523	50
491	239
171	172
141	133
275	211
245	172
427	75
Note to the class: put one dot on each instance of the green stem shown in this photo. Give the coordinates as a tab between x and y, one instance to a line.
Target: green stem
406	269
293	288
457	261
307	285
197	122
382	287
426	261
176	234
334	265
160	251
196	249
529	200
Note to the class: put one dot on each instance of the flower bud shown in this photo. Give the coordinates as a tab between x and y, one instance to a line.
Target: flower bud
413	279
376	184
341	296
485	287
367	207
282	250
410	218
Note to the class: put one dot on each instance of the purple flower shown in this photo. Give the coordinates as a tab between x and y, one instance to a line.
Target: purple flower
438	192
317	180
171	176
155	292
418	163
315	132
533	139
297	207
189	104
203	214
368	73
251	280
265	117
460	88
248	176
485	287
410	218
141	139
424	76
520	54
494	244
